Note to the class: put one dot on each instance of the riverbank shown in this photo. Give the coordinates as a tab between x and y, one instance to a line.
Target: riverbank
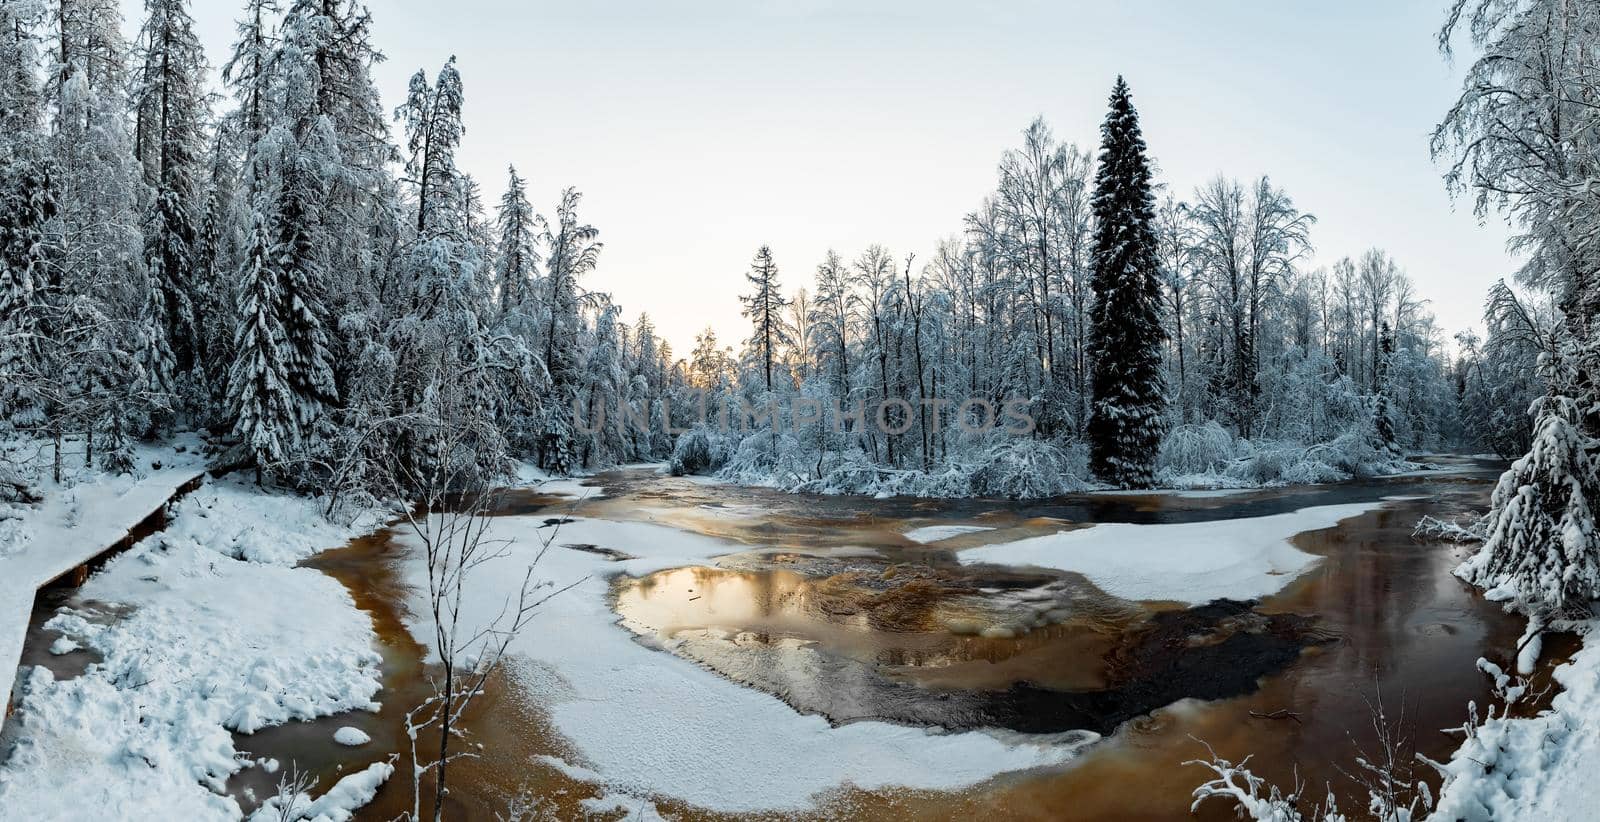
1538	767
74	521
198	631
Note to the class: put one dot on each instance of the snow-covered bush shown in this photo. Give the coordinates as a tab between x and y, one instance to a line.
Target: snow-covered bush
1029	469
1014	468
1263	463
1354	453
763	459
700	452
1196	449
855	473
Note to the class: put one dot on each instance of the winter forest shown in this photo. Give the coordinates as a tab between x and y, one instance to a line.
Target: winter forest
262	273
302	272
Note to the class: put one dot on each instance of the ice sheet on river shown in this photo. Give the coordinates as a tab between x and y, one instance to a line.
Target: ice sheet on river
652	723
1191	562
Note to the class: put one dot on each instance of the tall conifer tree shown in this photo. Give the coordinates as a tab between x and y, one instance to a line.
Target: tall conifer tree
171	107
518	253
1126	422
764	307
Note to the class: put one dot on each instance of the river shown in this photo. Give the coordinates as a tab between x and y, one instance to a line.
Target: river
833	610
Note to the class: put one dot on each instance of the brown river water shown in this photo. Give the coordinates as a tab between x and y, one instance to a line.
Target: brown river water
834	611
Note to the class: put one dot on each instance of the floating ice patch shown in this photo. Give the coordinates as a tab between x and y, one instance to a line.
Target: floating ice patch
1193	562
734	511
935	533
351	737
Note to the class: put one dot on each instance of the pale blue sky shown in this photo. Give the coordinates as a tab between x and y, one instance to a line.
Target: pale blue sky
700	130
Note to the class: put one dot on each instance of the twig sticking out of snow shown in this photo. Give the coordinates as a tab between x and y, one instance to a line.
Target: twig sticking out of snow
1433	529
1254	797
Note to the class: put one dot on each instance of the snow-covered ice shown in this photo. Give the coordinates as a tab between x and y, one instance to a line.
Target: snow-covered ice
532	477
339	804
649	723
1192	562
935	533
351	737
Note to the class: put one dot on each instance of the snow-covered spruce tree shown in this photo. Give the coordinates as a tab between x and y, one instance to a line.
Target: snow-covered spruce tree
573	250
248	69
218	244
649	363
1542	549
285	269
602	426
259	392
448	362
27	206
432	119
20	104
170	105
516	250
763	306
1382	413
358	220
300	270
29	392
1127	422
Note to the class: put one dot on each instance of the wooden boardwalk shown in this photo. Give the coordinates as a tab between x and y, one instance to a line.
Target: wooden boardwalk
69	531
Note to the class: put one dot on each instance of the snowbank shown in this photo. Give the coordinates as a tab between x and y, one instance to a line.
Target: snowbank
649	723
1192	562
256	525
1539	768
532	477
339	804
212	644
77	519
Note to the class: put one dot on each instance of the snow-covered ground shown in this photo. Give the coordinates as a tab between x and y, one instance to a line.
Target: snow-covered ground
1540	768
653	724
203	629
1191	562
77	519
